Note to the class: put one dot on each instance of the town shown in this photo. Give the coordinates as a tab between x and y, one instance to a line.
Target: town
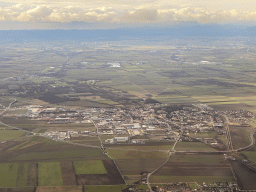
139	124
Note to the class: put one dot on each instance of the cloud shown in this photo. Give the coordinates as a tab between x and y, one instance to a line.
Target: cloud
140	15
43	13
39	13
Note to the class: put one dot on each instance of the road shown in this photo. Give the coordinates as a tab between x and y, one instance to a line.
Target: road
170	152
105	152
9	106
226	125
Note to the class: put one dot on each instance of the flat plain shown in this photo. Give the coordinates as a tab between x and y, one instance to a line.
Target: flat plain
221	75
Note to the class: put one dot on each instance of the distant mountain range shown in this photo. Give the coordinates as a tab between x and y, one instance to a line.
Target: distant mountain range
128	33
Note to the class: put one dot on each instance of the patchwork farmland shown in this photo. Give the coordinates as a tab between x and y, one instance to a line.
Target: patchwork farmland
92	117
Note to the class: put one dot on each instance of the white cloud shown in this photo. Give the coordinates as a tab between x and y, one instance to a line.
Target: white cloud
43	13
140	15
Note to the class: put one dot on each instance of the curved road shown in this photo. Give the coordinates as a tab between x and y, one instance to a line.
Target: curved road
171	152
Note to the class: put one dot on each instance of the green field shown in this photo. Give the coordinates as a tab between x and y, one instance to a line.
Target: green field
131	179
89	167
8	174
24	145
7	134
251	155
192	146
49	174
203	135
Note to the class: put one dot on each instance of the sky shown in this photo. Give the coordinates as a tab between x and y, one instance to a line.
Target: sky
107	14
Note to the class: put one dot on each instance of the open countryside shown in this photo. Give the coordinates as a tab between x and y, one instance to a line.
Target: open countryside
130	116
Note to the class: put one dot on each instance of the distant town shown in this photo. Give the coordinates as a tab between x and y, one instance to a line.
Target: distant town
137	125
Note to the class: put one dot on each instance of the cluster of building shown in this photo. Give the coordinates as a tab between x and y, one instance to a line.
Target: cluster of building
239	116
64	135
53	115
137	124
114	64
217	186
133	125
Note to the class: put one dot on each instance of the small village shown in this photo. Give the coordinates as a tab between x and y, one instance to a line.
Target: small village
137	125
181	187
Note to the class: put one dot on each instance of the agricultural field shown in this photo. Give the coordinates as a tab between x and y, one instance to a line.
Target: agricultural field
60	154
22	175
194	168
120	74
251	155
135	154
10	134
89	167
203	135
211	134
49	174
169	79
134	167
59	188
33	174
106	188
8	174
112	175
86	140
245	176
145	147
43	126
39	148
194	158
240	135
193	146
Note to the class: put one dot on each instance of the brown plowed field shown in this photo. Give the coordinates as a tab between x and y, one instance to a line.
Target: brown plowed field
112	178
195	169
240	136
138	166
32	174
22	189
68	173
246	178
60	189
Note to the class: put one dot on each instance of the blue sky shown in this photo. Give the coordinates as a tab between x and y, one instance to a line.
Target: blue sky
101	14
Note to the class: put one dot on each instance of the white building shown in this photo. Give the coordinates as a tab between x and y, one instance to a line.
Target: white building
121	139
